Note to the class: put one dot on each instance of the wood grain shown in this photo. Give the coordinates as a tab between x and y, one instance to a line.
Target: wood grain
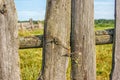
56	41
9	60
83	41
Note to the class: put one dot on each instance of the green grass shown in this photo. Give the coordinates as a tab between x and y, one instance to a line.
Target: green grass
102	28
30	63
104	60
30	32
31	59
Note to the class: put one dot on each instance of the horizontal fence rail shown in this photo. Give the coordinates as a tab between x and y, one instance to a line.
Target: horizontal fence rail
102	37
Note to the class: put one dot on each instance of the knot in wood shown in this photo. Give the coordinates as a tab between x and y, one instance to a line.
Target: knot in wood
56	41
3	10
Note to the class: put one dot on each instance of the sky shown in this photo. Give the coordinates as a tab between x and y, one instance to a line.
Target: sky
35	9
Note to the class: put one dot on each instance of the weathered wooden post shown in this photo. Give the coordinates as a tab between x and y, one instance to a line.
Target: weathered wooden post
21	26
56	40
9	66
83	41
115	74
31	23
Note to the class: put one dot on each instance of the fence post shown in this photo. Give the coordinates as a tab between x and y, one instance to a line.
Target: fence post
115	73
56	40
83	41
31	23
9	66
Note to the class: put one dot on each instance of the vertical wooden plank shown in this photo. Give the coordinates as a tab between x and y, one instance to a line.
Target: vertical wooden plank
56	40
9	66
115	74
83	41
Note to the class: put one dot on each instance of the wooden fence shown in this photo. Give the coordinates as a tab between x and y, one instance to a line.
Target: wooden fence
68	30
101	37
29	25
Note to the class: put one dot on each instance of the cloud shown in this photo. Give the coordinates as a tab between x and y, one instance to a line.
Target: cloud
30	9
104	9
26	15
103	3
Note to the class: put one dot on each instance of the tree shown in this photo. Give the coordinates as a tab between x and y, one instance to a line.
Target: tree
9	66
83	41
56	40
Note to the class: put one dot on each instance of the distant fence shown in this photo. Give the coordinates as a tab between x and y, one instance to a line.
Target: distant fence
29	25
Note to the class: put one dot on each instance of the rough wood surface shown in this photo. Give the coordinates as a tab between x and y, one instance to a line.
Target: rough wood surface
115	73
9	66
104	39
56	40
104	36
83	41
105	32
101	37
31	42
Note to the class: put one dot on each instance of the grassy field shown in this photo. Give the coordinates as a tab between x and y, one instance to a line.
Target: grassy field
103	61
30	59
